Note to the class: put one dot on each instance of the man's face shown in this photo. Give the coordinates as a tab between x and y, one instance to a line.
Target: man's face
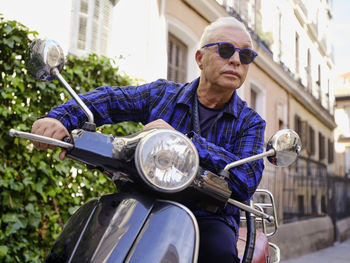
221	73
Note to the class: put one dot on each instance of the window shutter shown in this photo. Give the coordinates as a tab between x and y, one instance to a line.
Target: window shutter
321	146
305	135
330	151
177	60
311	140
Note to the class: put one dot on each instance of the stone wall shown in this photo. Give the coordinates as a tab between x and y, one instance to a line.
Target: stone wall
343	229
303	237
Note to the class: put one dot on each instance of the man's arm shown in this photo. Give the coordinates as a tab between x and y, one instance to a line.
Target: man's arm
244	179
109	105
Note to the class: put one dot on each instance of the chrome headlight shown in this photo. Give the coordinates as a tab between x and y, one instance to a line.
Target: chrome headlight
166	160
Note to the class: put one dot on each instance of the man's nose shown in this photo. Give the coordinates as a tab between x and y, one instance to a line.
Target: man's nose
234	59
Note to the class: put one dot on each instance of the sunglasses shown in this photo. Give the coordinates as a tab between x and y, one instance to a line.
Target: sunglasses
226	50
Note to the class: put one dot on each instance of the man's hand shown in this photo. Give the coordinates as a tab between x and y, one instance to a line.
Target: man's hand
52	128
160	124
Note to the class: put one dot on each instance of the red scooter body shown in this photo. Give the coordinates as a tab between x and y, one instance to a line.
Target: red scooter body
262	249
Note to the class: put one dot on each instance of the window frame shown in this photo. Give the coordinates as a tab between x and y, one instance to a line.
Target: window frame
179	55
190	38
104	28
260	98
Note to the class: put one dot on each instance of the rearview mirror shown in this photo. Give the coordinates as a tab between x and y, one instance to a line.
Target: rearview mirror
43	57
282	150
287	146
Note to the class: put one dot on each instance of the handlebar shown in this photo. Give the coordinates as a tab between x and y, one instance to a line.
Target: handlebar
203	185
40	138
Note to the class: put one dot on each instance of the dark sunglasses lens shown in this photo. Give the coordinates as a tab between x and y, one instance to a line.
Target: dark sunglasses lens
226	50
246	56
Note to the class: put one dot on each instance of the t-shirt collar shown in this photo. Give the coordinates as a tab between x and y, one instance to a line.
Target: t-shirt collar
188	92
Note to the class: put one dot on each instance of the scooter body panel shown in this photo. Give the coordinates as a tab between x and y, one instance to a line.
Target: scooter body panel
170	234
127	228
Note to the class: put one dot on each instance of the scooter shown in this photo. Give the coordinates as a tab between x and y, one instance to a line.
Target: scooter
153	167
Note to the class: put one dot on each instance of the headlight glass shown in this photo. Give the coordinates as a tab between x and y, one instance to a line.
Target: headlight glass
166	160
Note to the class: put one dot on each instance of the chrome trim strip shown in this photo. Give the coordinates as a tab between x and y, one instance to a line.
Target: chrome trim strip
277	251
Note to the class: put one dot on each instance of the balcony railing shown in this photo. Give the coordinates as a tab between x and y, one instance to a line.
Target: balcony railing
302	7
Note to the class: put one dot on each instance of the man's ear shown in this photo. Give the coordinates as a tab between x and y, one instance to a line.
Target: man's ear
199	57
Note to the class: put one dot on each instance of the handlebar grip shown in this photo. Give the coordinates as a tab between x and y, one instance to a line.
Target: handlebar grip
40	138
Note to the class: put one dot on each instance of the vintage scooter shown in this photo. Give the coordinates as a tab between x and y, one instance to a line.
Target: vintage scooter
145	222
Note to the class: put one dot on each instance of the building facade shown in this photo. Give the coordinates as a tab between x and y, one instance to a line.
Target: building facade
342	118
290	84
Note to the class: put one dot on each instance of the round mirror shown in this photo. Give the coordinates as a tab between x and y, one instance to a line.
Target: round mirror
42	57
287	146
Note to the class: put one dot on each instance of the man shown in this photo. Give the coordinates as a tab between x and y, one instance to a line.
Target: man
220	124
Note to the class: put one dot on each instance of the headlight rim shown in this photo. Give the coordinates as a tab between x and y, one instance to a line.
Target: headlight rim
138	162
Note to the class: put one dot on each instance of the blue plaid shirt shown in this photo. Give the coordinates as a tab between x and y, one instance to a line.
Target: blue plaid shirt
238	131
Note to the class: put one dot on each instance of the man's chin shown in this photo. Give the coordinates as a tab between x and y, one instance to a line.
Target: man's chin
229	85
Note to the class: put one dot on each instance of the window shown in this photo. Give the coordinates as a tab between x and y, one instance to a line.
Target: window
304	134
301	204
83	17
313	204
253	96
257	99
280	124
177	59
321	146
330	151
94	24
281	115
311	144
297	124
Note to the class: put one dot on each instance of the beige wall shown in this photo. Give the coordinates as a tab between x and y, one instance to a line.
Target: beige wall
296	108
343	121
275	99
181	11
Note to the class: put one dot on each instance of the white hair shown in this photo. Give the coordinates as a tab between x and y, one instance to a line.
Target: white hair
221	22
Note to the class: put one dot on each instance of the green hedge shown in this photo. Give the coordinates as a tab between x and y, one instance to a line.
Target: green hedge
38	192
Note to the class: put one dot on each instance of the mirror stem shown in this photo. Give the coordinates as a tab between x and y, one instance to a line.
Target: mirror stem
270	152
82	105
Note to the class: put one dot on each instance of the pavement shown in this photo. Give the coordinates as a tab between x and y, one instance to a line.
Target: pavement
338	253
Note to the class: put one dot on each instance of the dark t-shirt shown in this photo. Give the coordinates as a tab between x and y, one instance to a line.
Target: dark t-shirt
207	118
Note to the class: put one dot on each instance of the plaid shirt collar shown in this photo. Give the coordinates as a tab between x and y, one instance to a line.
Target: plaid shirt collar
187	95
